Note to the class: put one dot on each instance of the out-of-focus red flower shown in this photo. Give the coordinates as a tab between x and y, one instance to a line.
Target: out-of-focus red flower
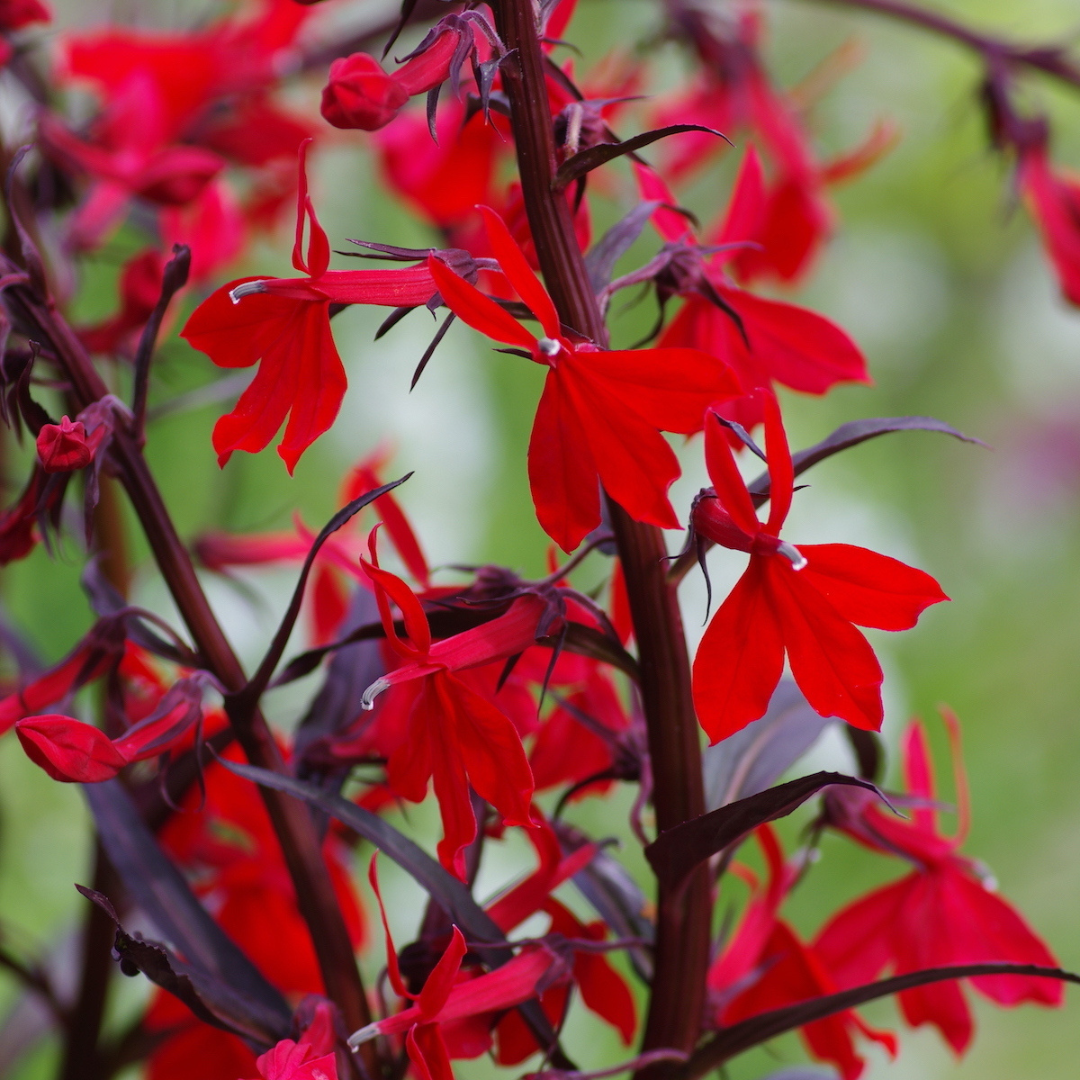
766	966
772	341
944	912
601	413
310	1058
803	601
140	288
1055	202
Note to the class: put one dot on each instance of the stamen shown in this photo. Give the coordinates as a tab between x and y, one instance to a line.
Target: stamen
549	346
367	699
790	551
247	288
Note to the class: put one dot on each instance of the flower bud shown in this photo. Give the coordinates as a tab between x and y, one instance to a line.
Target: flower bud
63	447
360	94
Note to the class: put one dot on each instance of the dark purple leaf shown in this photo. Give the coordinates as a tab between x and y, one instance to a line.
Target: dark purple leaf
756	757
210	999
445	889
758	1029
160	891
853	433
174	278
594	156
673	854
606	252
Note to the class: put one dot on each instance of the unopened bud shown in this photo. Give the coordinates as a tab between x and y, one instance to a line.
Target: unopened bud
63	447
360	94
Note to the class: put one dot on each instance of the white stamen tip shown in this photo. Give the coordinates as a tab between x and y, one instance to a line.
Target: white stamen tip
365	1034
367	699
789	551
246	288
549	346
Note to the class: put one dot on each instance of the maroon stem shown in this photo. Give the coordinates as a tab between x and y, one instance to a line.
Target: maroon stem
1049	59
291	820
682	935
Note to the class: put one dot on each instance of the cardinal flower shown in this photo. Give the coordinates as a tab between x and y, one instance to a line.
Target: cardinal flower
802	601
765	966
771	340
944	912
601	413
454	735
285	323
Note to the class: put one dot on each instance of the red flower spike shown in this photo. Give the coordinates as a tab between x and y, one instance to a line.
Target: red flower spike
803	603
285	324
940	914
601	413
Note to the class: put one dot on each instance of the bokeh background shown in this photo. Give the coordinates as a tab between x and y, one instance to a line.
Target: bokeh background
937	272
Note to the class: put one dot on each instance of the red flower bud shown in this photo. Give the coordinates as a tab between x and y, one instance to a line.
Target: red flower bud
360	94
63	447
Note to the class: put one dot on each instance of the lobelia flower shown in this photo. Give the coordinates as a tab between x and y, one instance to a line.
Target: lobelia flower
285	324
803	601
1055	203
454	735
772	341
601	412
447	999
310	1058
765	966
64	447
944	912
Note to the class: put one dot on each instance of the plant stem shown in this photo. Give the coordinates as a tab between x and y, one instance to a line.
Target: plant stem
1049	59
291	820
682	942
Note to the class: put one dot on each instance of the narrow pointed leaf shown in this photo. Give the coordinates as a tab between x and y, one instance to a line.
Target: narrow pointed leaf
673	854
758	1029
585	161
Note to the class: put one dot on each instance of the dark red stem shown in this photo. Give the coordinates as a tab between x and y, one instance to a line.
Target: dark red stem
682	943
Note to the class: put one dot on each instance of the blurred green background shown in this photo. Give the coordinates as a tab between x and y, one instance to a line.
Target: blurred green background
935	269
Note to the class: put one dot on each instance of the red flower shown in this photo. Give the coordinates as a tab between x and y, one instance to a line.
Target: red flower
766	967
802	601
1055	202
312	1058
774	341
601	413
454	735
64	447
942	913
285	323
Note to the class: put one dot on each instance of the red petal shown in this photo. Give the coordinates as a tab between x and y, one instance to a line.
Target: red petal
562	471
238	334
392	968
519	273
867	588
797	347
670	388
318	252
830	660
410	286
746	211
441	980
69	750
669	224
634	462
491	749
781	473
412	611
480	312
427	1051
740	659
727	480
